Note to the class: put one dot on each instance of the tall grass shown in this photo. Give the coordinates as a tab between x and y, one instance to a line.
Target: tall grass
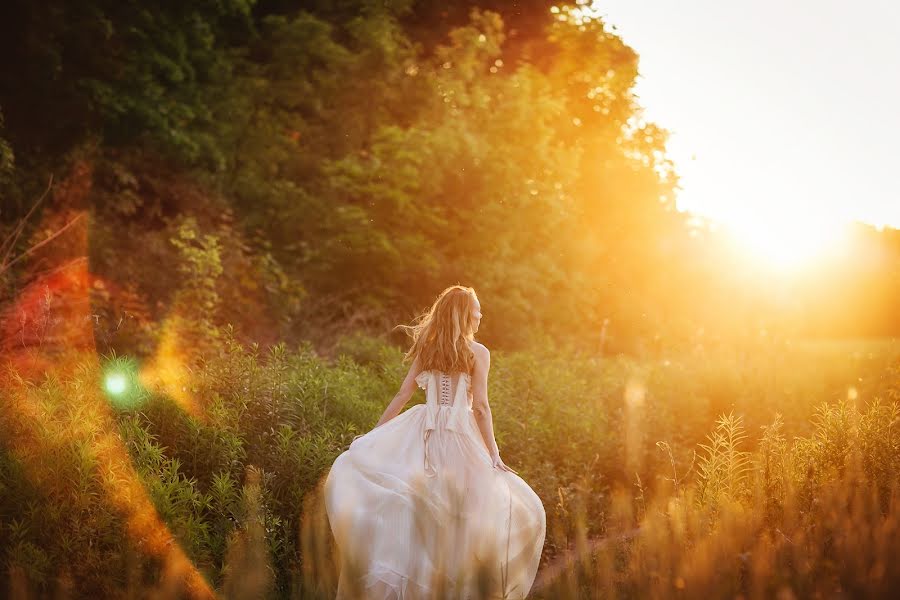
710	473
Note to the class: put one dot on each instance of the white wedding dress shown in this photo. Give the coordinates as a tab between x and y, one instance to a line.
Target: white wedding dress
417	506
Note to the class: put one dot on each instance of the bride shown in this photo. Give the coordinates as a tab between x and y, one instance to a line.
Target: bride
422	506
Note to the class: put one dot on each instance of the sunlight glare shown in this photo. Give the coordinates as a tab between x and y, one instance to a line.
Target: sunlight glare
785	241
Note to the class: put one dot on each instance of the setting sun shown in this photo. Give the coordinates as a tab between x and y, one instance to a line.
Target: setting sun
783	241
259	369
772	122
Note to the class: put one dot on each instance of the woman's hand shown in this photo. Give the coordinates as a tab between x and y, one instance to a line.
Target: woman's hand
499	464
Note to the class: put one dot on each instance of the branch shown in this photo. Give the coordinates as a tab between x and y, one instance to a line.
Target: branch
40	244
13	237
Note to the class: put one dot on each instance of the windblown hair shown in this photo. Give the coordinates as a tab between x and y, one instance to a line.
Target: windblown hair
441	335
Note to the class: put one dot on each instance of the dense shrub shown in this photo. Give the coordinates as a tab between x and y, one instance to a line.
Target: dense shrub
107	491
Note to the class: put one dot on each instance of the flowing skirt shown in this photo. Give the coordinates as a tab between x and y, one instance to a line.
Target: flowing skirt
446	523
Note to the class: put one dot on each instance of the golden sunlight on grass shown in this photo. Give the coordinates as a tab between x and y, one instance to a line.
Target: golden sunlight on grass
167	370
40	430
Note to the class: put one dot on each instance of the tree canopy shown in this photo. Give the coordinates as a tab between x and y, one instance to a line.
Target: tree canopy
372	153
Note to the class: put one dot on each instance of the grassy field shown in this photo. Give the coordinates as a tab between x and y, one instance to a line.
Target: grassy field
766	471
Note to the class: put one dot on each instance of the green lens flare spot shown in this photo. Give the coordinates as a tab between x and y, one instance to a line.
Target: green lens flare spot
116	383
120	382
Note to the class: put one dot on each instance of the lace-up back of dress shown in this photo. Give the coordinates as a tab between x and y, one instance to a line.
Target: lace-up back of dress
447	384
445	394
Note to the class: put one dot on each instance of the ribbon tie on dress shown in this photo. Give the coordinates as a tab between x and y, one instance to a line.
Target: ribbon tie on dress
427	380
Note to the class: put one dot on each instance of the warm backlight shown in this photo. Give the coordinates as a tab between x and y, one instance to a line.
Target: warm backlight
786	241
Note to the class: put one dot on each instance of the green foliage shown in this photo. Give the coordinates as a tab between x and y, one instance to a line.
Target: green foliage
353	151
338	161
371	352
232	465
310	172
54	518
150	79
198	301
200	266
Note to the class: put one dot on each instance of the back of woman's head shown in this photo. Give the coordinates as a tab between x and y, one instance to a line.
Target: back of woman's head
441	335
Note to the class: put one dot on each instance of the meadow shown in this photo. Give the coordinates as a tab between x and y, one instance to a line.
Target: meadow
769	472
212	215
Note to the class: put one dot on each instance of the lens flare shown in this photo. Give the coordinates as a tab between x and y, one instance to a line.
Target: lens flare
116	383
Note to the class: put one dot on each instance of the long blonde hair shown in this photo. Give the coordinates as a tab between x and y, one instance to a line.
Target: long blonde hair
441	335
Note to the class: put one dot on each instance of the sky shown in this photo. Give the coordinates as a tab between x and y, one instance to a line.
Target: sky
779	111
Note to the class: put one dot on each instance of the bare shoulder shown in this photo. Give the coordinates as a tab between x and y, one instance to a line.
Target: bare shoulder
480	350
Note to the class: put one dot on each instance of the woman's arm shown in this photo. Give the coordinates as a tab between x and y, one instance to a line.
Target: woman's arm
481	407
407	388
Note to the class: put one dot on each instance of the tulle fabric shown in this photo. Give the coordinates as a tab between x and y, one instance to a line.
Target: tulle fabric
446	523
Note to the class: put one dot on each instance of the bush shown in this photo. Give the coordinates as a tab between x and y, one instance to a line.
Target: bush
198	481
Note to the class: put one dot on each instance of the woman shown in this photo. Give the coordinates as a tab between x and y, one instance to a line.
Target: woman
422	506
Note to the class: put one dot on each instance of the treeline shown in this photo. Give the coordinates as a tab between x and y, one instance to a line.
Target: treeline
341	162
